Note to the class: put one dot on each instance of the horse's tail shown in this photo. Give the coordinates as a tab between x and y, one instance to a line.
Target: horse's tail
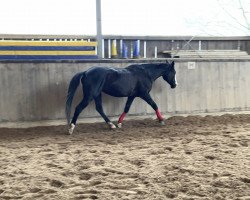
74	83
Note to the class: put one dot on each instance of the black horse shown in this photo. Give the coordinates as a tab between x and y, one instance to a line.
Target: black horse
132	81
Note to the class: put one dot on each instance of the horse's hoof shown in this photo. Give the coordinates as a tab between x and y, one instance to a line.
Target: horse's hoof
119	125
71	129
111	125
162	122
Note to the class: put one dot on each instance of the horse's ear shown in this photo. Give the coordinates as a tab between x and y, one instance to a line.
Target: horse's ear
172	64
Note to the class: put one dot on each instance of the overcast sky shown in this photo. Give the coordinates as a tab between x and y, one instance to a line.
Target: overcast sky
126	17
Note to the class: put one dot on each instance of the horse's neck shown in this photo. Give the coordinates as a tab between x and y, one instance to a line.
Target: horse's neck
156	70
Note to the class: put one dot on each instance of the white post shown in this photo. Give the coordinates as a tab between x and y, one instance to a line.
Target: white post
145	49
172	48
121	42
131	49
238	47
103	49
155	52
109	48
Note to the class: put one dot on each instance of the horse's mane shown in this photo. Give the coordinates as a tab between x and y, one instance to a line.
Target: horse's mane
146	66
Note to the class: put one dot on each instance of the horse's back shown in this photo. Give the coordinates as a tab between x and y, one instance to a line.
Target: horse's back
97	71
119	82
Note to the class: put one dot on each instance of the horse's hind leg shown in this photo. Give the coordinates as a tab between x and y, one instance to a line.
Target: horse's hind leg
99	108
79	108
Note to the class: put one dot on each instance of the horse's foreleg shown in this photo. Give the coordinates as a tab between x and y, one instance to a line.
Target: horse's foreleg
151	102
158	114
126	109
99	108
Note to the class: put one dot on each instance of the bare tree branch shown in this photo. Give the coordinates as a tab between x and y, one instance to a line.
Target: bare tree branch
229	14
244	14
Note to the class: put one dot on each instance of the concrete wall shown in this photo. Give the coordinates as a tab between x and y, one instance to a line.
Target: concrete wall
37	91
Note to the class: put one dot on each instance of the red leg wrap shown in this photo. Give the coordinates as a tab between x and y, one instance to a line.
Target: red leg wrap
121	117
159	116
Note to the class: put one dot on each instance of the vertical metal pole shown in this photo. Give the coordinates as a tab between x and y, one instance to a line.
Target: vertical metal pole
99	28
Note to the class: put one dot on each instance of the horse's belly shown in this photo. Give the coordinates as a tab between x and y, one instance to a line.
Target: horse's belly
118	91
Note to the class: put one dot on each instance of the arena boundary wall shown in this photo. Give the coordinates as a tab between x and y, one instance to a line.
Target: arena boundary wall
37	91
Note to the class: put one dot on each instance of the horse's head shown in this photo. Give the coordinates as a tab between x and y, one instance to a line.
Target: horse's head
170	75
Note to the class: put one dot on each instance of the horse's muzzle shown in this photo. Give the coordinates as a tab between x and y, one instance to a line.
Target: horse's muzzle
173	86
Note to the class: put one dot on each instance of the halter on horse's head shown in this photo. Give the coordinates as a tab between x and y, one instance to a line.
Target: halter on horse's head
170	75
